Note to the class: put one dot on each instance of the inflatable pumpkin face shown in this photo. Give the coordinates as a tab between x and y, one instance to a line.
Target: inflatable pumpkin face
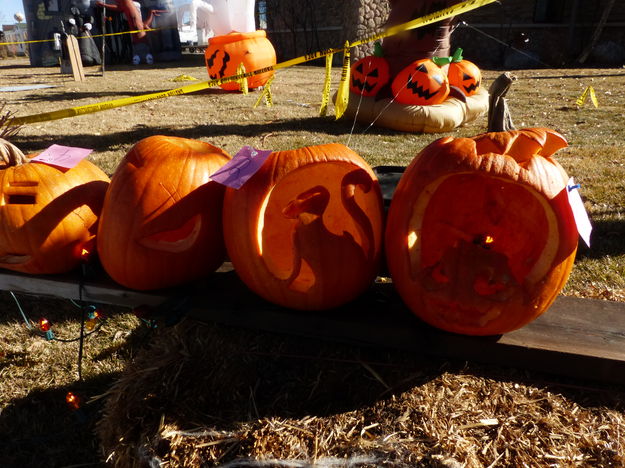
161	221
48	215
480	237
465	75
368	75
421	83
253	50
305	230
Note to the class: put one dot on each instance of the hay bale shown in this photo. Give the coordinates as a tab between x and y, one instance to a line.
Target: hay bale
205	395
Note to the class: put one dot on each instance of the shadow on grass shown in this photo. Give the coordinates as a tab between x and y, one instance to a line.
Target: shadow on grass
42	430
324	125
607	239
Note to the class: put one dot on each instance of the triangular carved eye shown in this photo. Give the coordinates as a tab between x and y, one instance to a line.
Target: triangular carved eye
466	77
374	73
422	68
359	67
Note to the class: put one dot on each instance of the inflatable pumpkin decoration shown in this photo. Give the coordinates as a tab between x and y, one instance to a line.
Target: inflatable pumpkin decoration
48	214
369	74
161	221
305	230
480	237
253	50
421	83
464	75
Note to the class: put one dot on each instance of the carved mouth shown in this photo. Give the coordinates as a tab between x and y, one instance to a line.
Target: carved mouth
15	259
175	240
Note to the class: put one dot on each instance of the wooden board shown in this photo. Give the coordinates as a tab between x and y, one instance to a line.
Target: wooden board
580	338
74	58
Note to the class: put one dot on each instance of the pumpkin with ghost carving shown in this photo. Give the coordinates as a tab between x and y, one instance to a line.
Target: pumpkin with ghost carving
48	214
161	221
480	236
305	230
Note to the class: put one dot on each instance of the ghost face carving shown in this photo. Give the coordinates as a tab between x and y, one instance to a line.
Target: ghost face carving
305	231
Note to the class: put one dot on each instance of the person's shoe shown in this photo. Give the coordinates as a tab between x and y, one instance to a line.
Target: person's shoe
136	60
149	59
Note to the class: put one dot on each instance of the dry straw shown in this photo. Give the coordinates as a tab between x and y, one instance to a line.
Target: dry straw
213	396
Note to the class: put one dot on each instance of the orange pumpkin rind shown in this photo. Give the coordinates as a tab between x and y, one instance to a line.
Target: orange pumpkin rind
479	241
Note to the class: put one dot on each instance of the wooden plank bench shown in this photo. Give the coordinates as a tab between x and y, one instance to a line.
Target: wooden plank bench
579	338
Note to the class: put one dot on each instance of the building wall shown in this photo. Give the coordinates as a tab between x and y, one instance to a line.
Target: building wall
505	34
299	27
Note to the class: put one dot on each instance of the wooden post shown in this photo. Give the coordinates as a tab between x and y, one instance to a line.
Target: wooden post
74	64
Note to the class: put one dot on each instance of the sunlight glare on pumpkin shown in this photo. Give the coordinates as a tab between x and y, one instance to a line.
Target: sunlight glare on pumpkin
260	224
412	239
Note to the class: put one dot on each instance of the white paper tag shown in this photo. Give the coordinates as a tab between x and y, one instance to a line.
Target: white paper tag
579	211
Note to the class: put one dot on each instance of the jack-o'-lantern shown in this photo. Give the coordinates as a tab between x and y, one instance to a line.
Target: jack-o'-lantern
48	214
369	74
480	236
464	75
421	83
305	230
161	221
226	53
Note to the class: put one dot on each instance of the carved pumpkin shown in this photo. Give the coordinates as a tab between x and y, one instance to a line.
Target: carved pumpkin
48	215
369	74
225	53
161	221
421	83
480	236
305	230
465	75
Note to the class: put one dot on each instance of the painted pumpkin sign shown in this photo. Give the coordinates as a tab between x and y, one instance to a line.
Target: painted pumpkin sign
305	230
421	83
480	237
48	215
253	50
161	221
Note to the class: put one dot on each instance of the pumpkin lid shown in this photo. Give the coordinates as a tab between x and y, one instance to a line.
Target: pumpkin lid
236	36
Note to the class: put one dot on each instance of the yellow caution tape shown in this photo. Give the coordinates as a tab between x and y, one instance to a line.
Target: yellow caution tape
342	95
266	94
589	91
84	37
454	10
593	97
325	96
184	78
243	81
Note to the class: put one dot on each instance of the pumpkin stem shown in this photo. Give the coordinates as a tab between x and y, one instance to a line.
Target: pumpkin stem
377	49
457	57
10	155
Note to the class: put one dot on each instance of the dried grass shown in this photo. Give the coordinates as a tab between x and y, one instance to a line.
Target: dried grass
211	396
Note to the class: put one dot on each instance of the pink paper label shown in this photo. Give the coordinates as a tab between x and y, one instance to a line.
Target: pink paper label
579	211
241	167
62	156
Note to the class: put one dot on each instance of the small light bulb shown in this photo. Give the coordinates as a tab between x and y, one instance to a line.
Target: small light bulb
44	324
